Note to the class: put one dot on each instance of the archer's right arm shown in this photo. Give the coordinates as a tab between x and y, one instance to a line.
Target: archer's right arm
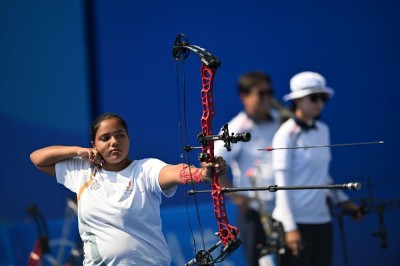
46	158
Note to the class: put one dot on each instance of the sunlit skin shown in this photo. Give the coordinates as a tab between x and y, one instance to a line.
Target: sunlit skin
306	110
112	144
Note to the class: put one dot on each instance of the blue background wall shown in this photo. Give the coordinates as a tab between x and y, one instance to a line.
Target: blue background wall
63	62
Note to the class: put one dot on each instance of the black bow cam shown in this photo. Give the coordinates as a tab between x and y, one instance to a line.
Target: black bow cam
182	48
204	257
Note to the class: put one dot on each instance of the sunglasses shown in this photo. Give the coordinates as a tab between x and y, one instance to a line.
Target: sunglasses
319	96
264	93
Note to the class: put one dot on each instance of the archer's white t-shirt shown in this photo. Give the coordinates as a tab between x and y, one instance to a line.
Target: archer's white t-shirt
118	212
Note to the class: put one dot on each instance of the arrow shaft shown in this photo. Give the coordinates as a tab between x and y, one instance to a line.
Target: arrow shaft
323	146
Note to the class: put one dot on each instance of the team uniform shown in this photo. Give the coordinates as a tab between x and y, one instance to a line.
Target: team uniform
305	210
243	157
118	212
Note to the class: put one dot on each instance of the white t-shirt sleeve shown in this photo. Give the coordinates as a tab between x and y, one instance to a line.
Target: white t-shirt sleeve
152	168
283	211
283	139
67	172
281	162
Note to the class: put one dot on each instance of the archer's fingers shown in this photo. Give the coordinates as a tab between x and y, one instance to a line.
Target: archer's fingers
295	247
95	157
220	165
219	160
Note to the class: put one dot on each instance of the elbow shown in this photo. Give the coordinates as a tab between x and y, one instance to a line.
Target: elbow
32	158
35	159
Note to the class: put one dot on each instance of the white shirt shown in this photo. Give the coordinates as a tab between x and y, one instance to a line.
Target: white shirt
301	167
244	156
118	212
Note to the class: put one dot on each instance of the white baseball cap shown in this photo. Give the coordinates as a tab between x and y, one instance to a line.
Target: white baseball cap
306	83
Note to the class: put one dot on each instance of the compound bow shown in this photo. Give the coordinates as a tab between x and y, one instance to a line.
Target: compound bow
227	233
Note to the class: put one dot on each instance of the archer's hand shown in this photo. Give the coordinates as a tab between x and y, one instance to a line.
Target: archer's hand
91	155
293	241
353	209
219	166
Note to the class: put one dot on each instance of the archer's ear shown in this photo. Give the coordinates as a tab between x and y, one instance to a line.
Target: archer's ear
92	143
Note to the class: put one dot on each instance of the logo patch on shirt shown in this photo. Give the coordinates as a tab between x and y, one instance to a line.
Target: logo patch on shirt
95	185
128	188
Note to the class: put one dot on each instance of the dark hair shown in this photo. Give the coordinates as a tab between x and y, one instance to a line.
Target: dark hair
96	123
247	81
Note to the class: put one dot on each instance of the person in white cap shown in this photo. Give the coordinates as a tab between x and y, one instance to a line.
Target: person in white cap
304	213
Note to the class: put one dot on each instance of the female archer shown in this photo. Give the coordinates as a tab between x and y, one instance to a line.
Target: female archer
304	213
119	198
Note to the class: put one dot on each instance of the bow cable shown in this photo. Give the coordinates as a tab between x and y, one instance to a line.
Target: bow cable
183	140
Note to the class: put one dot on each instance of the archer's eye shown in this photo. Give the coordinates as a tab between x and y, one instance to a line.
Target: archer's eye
121	135
104	138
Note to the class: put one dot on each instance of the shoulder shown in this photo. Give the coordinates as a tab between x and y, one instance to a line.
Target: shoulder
287	131
149	163
240	122
289	126
74	162
322	125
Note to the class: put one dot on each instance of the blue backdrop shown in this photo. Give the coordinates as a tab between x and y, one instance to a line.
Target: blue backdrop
63	62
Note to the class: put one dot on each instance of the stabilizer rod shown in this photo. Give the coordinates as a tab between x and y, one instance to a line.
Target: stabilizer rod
274	188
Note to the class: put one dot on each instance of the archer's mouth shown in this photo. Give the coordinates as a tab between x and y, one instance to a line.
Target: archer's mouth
116	151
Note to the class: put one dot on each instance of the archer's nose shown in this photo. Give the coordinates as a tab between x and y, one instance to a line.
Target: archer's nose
115	142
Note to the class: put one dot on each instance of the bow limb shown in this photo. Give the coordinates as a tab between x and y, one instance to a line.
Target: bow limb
226	231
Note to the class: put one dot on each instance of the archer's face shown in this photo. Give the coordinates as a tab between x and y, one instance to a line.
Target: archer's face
310	106
257	103
112	142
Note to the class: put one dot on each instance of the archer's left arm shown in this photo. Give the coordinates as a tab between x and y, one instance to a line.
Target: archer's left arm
178	174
